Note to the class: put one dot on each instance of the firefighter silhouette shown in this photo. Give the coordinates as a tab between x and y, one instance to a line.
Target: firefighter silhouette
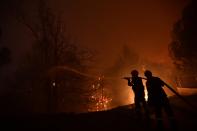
139	96
157	99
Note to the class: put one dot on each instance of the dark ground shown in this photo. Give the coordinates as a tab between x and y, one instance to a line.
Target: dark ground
120	118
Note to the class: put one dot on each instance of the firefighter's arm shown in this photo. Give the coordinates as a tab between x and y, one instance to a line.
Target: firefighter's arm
129	80
162	82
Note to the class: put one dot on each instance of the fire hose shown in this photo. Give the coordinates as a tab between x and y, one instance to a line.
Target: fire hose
181	97
127	78
172	90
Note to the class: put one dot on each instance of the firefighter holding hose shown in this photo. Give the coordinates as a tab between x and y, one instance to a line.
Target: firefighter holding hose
157	99
138	88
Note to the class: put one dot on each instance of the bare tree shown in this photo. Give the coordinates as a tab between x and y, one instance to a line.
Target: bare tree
53	48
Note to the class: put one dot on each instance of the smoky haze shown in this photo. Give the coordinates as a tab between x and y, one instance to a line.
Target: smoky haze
106	26
143	26
126	35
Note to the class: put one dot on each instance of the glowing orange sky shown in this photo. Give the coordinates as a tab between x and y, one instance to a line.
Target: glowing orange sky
105	25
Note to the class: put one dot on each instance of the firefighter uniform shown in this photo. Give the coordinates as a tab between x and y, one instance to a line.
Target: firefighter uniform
157	98
138	88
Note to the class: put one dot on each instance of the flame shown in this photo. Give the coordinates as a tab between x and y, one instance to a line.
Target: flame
99	99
